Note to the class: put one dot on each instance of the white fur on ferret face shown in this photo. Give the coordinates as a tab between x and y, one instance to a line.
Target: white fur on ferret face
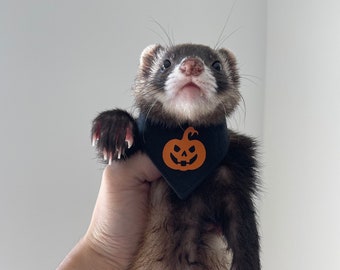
189	103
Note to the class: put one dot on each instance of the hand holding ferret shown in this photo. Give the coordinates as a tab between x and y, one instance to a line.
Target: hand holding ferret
119	217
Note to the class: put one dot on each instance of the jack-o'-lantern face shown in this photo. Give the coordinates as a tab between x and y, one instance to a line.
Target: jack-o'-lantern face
184	154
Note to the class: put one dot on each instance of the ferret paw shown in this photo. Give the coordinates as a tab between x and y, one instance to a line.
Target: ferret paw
113	134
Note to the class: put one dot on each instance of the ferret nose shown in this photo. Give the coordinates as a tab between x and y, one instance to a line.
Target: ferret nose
192	67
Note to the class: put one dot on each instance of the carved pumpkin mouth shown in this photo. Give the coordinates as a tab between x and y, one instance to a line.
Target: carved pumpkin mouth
183	162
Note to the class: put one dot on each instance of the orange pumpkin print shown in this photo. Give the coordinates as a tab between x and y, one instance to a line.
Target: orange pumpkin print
184	154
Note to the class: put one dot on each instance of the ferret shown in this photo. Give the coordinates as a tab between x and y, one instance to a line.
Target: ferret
215	226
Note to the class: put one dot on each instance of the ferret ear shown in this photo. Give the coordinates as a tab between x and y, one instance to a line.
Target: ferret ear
231	63
149	54
228	56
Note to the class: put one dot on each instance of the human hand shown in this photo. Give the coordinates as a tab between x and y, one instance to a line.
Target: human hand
119	217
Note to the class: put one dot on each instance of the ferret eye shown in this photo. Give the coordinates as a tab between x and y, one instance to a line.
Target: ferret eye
166	64
217	65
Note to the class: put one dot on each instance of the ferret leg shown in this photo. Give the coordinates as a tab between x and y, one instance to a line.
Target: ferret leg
239	228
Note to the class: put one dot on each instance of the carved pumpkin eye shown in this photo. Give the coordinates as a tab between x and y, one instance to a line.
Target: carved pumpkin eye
177	148
192	149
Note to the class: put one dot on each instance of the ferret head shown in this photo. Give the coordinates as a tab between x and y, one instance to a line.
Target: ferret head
187	83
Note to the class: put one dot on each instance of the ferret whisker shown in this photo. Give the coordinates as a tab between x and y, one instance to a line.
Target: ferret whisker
132	108
220	101
165	32
151	93
158	34
148	93
253	76
173	38
235	118
218	43
248	78
243	108
150	109
229	35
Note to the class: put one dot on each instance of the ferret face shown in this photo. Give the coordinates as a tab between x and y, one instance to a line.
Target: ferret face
187	83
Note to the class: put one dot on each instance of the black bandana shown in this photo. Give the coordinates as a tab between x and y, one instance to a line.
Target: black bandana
184	155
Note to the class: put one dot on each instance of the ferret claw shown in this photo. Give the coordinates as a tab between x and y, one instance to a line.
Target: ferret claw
105	155
119	155
110	159
129	137
129	143
95	140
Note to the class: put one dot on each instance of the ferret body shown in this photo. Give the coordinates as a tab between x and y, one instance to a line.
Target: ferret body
215	227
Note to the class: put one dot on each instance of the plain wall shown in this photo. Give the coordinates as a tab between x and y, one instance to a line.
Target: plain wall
300	215
62	62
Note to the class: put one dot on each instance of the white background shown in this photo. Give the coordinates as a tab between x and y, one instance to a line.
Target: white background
62	62
301	217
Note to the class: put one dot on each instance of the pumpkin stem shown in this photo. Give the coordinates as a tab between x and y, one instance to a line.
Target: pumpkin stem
190	131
